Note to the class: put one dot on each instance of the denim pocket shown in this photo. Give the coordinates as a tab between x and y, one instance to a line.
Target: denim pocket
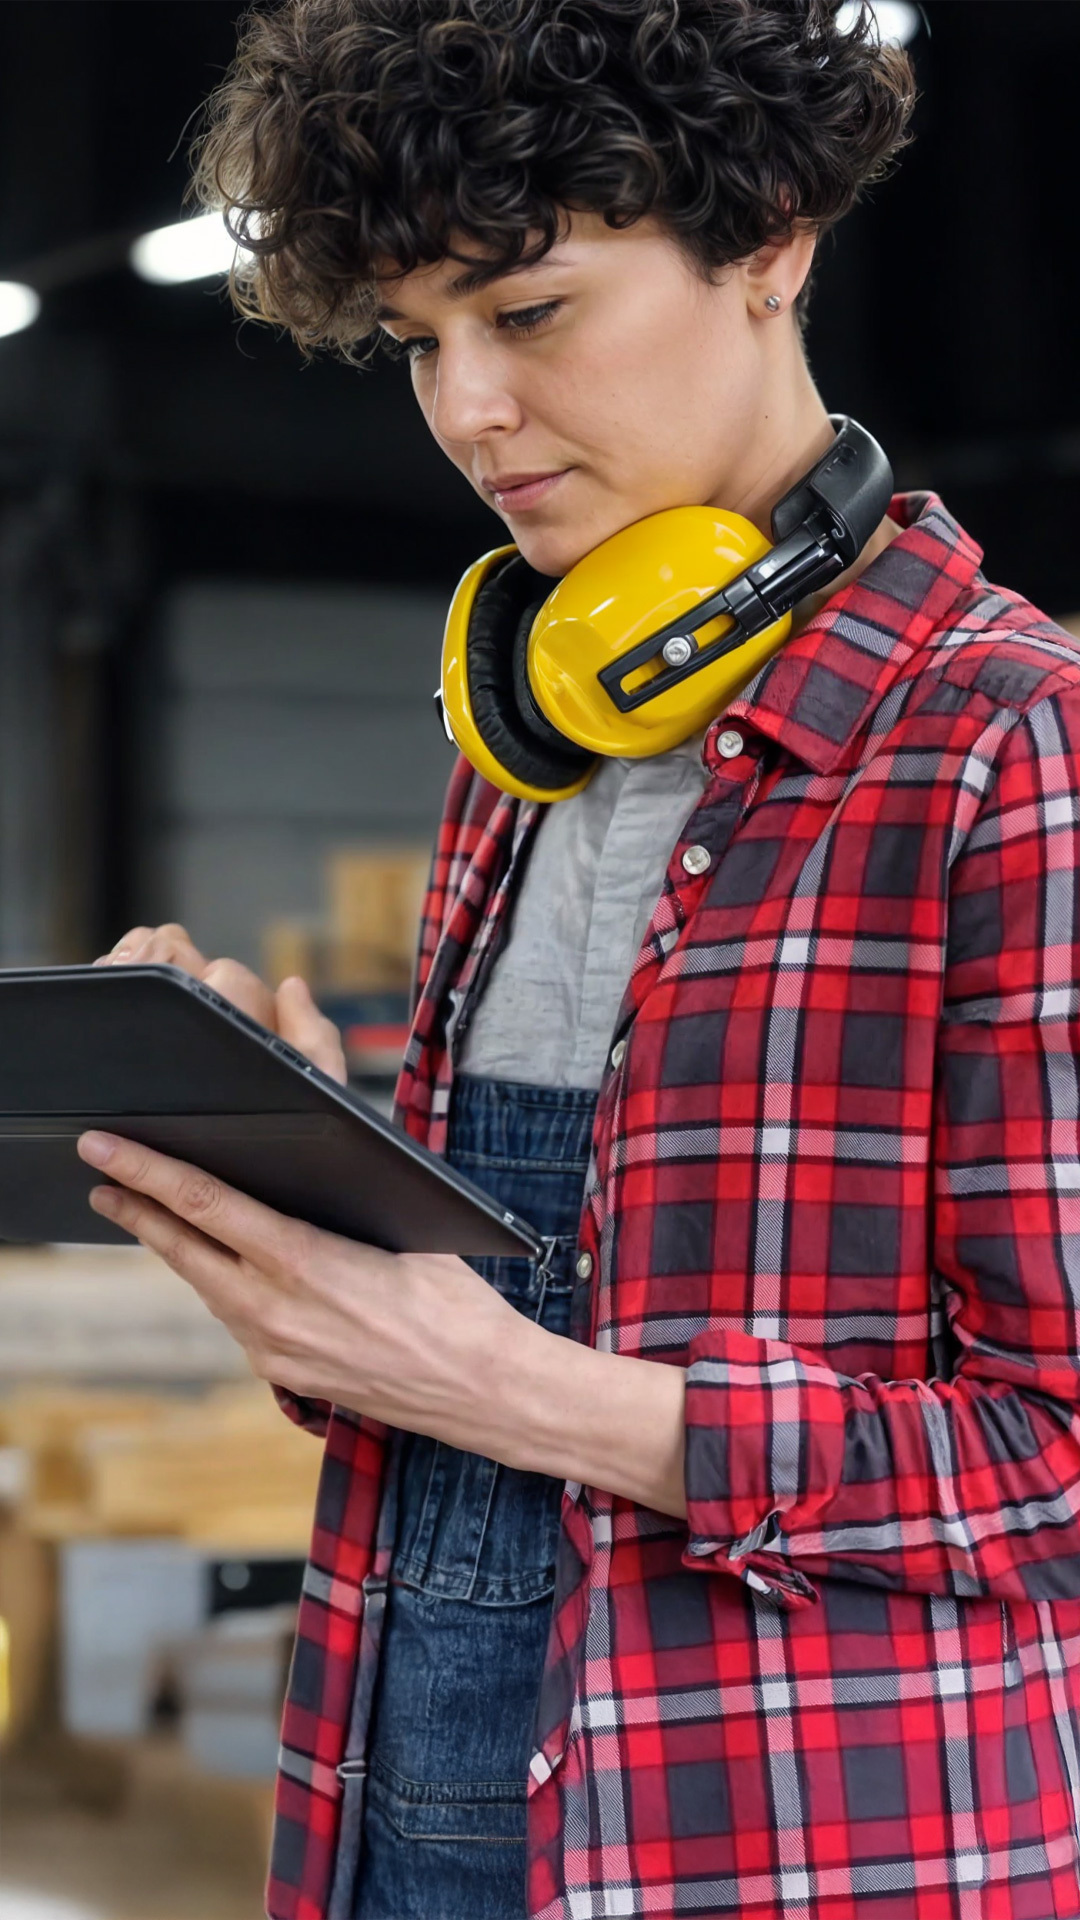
491	1812
439	1859
450	1750
473	1530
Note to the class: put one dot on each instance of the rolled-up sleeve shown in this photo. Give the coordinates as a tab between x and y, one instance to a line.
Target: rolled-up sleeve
969	1484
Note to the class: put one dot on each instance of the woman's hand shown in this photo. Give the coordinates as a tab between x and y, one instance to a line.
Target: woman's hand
416	1340
290	1012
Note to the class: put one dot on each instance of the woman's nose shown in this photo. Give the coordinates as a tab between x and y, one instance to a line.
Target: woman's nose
472	395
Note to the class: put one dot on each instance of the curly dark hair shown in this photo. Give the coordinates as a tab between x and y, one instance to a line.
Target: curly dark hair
349	134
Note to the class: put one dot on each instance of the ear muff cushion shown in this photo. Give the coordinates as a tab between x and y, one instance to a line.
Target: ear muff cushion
534	720
499	625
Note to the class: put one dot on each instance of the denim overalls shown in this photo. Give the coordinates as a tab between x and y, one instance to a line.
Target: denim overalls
473	1570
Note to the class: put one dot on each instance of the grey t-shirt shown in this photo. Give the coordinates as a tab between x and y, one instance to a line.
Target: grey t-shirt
593	878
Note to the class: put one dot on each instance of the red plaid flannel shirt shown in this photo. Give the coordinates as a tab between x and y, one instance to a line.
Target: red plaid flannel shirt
836	1176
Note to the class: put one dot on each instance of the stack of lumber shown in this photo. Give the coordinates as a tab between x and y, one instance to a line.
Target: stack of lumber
223	1468
375	903
47	1426
107	1314
219	1474
229	1471
366	941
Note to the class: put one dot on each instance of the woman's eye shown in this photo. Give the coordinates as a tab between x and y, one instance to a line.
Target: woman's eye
407	349
521	322
528	319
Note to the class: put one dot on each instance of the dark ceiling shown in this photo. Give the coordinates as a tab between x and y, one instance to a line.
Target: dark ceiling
944	317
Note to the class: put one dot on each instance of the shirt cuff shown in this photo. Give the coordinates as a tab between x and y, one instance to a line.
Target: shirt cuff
312	1415
764	1456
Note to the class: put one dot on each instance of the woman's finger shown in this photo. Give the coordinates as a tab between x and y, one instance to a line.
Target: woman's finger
203	1261
127	944
271	1241
244	989
172	946
300	1022
215	1273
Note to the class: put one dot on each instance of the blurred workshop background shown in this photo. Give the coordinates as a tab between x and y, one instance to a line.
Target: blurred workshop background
222	582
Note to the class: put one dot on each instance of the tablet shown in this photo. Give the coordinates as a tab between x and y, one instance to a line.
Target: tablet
155	1055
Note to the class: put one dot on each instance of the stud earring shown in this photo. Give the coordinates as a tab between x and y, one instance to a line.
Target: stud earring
773	303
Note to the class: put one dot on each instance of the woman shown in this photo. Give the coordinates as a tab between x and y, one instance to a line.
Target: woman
742	1535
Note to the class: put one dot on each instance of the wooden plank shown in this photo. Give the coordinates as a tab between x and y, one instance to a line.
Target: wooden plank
106	1313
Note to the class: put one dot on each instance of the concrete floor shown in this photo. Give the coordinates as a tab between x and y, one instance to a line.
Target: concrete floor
129	1834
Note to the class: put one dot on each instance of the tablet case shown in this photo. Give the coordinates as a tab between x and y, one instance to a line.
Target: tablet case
151	1053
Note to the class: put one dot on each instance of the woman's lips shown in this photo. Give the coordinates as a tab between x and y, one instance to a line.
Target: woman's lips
516	499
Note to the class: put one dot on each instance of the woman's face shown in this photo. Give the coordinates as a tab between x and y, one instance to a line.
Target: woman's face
611	370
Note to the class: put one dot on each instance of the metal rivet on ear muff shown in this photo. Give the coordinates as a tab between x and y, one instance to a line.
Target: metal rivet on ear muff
678	650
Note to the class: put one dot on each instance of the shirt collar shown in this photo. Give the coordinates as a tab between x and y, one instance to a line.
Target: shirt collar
815	696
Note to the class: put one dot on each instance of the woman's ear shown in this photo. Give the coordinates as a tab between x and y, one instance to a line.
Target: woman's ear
775	275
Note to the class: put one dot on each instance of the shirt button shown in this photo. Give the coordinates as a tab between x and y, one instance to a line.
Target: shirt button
730	743
696	859
583	1268
618	1054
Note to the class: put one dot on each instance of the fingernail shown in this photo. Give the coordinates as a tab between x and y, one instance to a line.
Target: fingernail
104	1199
98	1148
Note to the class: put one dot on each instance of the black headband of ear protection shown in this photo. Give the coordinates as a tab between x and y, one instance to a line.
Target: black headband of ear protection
819	528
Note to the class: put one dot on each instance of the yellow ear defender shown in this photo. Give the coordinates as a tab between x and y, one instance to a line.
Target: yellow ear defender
649	636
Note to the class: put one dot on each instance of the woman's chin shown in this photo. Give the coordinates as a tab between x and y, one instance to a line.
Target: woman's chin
554	550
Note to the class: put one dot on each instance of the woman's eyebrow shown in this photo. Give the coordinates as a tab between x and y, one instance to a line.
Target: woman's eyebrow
473	278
